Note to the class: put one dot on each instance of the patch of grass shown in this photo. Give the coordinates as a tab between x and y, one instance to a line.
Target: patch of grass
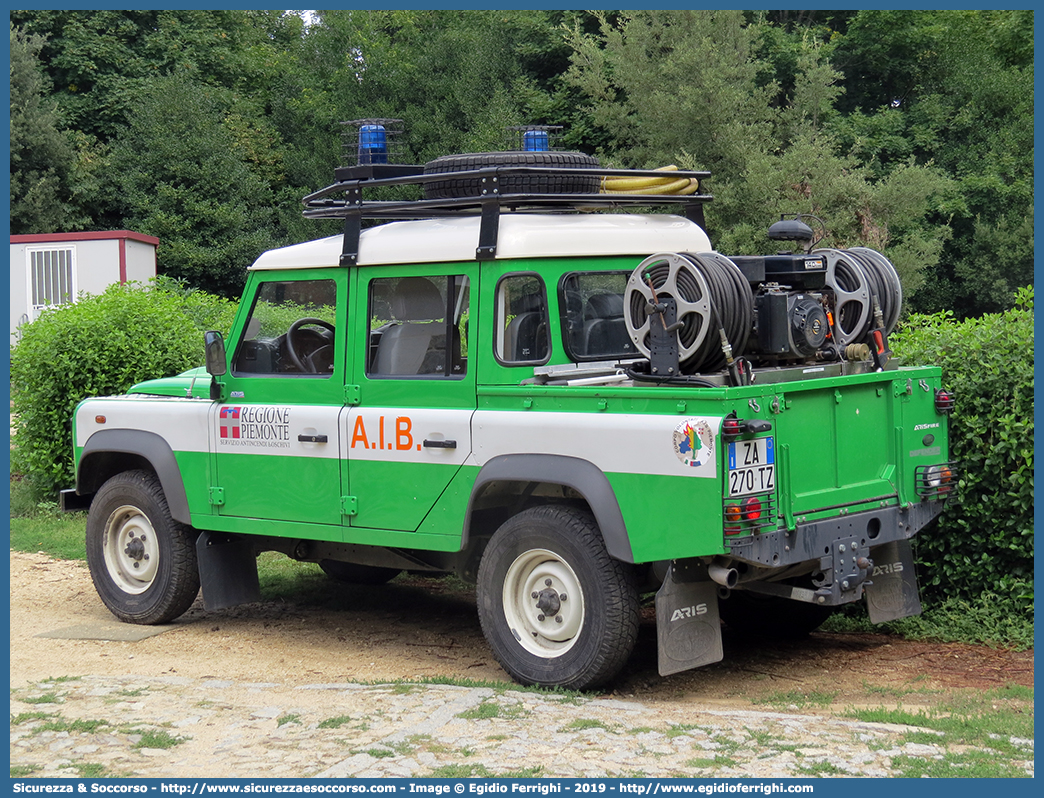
762	737
46	698
727	744
459	771
582	724
75	726
283	578
89	770
965	765
21	771
820	769
564	696
704	763
798	698
159	738
640	730
335	722
61	537
898	692
61	679
379	753
293	717
490	709
27	717
678	729
985	720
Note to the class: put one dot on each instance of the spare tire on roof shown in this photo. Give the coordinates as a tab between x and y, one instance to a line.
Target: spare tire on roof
512	184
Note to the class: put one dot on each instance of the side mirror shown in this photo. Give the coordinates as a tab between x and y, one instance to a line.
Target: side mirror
215	349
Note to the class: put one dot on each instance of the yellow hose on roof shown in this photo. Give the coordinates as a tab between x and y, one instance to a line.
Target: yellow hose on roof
650	185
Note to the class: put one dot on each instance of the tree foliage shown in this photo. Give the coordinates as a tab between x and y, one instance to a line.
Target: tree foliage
180	168
904	130
43	158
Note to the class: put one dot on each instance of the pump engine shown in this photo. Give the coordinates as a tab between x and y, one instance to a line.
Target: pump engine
771	310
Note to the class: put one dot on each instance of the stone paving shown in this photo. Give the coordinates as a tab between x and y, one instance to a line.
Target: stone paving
174	727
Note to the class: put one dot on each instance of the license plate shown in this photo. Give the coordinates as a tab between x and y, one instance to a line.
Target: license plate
752	467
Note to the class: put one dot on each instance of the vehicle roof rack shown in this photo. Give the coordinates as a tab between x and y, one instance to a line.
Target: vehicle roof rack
344	198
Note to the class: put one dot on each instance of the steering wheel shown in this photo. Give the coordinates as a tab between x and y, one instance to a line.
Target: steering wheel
306	364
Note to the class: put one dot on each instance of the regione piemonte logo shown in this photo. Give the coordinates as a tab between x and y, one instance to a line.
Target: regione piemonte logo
230	425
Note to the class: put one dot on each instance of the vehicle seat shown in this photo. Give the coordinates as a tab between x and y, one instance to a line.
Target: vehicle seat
525	338
605	331
416	307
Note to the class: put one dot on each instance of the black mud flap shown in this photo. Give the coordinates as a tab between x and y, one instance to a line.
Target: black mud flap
893	593
688	631
227	571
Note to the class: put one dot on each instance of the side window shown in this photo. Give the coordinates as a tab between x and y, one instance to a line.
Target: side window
593	326
418	327
520	322
290	331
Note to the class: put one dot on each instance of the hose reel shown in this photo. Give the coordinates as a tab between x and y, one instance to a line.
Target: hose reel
859	278
699	296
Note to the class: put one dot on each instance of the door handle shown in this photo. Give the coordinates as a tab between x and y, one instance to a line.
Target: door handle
312	438
440	444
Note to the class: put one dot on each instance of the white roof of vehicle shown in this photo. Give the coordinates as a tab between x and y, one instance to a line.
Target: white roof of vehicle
521	236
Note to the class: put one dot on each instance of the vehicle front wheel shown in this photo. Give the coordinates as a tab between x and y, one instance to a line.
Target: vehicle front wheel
142	561
556	609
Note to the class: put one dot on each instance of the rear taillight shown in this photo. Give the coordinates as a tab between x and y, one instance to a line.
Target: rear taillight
936	482
733	516
731	427
944	402
752	509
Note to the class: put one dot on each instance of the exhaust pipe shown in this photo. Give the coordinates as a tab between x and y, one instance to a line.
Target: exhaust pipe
722	572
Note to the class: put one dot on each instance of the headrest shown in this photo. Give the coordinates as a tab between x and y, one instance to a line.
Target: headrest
604	306
417	299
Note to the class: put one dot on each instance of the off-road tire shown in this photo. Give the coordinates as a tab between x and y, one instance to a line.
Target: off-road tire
353	574
512	184
771	617
142	561
596	624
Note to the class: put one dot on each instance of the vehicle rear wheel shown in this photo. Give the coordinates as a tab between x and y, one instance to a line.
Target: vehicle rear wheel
755	615
357	574
142	562
556	609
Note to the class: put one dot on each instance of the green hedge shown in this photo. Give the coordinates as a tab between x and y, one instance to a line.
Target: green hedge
99	346
984	539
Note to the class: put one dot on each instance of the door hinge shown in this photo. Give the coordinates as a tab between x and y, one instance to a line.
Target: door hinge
349	505
352	394
217	496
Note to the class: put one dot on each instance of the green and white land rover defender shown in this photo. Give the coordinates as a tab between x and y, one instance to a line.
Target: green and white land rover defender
559	394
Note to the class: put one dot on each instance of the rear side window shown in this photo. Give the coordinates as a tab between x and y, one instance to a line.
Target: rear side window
418	326
592	307
520	322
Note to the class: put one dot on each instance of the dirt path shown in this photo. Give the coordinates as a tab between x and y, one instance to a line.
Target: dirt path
237	675
419	629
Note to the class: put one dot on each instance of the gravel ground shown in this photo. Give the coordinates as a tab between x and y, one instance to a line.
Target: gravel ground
339	685
192	728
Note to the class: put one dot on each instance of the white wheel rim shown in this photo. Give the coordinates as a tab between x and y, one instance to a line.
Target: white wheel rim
131	549
543	622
